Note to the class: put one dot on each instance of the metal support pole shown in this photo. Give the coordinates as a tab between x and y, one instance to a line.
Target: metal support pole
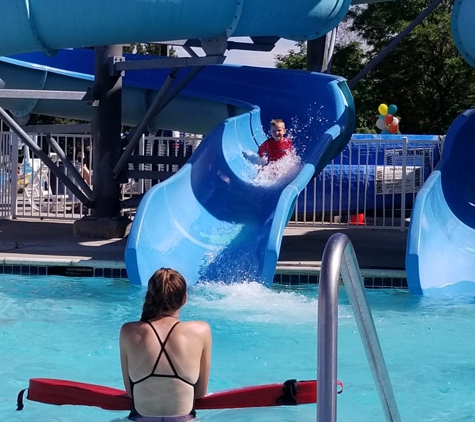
167	99
316	52
107	133
179	86
373	63
138	130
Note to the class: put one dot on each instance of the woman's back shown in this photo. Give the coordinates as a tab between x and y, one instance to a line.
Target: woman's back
165	363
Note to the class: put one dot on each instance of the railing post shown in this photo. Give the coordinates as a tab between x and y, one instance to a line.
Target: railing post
339	257
327	336
14	145
403	184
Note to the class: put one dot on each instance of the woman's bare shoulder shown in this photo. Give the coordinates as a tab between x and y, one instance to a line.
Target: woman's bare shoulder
196	326
131	326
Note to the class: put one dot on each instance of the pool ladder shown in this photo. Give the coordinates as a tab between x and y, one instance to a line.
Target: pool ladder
339	258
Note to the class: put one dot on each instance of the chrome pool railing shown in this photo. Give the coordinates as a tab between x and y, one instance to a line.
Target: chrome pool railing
339	258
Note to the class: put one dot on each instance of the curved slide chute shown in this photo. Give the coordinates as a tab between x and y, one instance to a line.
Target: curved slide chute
441	241
211	221
440	254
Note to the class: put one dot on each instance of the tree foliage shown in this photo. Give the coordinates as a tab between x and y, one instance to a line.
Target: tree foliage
425	75
295	59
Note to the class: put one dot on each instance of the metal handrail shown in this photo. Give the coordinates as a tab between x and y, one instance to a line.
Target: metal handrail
339	258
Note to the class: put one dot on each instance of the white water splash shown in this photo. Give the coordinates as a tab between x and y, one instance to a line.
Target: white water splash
278	172
253	302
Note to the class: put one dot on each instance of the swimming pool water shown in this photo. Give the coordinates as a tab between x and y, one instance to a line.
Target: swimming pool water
68	328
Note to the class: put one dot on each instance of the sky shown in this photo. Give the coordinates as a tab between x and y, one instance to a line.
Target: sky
250	58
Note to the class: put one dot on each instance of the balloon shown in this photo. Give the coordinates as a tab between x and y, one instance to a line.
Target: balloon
393	127
395	120
385	132
392	109
383	109
380	124
388	118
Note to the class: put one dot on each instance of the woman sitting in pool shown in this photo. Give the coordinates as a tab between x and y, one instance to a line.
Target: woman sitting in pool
165	362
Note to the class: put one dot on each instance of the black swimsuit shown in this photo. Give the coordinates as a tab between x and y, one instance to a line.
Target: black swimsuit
163	351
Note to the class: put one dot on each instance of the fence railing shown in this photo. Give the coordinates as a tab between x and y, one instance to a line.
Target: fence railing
7	176
39	193
372	183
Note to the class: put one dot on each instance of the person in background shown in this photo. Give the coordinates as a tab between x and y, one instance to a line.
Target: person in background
81	165
278	145
86	174
165	362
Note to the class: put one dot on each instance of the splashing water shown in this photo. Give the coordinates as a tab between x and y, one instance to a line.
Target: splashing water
308	130
278	172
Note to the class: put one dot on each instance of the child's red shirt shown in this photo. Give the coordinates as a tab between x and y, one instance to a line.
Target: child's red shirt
275	150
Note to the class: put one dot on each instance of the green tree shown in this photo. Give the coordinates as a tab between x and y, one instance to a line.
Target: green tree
295	59
348	61
425	75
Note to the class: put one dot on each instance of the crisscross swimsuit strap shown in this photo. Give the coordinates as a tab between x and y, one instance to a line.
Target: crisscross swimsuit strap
162	352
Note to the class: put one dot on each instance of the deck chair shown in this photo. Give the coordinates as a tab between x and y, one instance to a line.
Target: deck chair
38	192
22	182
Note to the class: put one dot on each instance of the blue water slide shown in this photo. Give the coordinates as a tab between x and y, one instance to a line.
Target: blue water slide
210	221
440	255
463	29
224	245
51	25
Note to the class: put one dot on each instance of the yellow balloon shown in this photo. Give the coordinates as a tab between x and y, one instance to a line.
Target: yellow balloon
383	109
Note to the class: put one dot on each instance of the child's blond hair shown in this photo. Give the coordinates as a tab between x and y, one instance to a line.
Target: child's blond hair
275	122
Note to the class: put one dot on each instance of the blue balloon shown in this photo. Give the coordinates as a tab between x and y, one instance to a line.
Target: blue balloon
385	132
392	109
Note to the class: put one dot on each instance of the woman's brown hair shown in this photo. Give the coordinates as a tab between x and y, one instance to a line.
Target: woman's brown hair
166	293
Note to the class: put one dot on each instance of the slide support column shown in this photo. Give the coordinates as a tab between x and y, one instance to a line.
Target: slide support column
106	221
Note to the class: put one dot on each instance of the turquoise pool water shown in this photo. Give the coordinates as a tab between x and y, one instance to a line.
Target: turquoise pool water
68	328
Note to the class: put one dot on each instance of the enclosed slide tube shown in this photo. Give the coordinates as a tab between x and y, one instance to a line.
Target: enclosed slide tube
51	25
440	256
463	29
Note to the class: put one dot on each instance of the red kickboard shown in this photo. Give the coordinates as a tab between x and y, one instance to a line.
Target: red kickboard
61	392
257	396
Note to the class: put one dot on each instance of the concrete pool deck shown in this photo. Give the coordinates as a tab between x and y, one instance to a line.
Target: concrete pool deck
51	242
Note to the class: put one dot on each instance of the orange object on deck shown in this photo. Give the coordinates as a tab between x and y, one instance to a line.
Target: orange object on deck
357	220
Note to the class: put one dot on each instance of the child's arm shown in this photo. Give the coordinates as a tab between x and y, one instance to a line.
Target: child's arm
262	151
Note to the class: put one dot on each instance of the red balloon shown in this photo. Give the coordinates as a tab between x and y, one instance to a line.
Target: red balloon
388	119
393	127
